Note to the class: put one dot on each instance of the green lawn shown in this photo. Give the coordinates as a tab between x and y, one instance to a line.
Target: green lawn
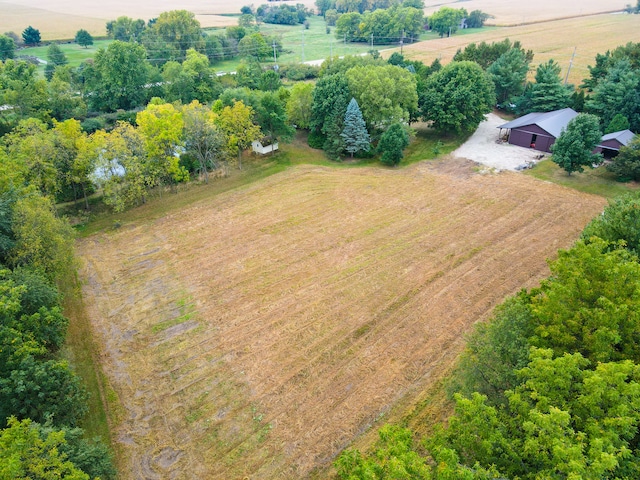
429	144
301	44
593	180
75	53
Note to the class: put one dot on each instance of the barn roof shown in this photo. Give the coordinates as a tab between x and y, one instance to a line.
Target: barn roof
552	122
623	136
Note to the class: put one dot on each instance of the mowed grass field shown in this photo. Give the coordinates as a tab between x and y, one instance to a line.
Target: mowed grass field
257	333
549	40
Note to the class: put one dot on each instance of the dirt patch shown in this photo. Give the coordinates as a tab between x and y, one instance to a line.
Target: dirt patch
319	299
487	148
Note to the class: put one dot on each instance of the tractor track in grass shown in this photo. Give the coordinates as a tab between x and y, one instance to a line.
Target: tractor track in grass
257	333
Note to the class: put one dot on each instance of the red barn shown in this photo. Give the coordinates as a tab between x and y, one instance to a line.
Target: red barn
610	144
538	130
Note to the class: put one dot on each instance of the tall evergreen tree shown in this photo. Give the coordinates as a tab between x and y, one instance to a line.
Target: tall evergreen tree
355	133
509	74
31	36
617	93
548	93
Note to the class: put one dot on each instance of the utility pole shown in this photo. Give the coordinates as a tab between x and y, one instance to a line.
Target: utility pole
275	58
330	48
372	41
566	78
401	42
303	45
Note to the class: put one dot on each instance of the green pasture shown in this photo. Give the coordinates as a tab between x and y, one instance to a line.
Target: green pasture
75	53
593	180
302	44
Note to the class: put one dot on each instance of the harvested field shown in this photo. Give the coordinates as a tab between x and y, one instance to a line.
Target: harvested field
256	334
550	40
60	19
517	13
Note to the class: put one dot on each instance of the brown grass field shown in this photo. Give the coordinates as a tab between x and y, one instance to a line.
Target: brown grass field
515	13
61	19
554	39
257	333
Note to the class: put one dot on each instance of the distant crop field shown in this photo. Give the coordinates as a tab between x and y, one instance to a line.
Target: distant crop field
507	12
61	19
555	39
257	333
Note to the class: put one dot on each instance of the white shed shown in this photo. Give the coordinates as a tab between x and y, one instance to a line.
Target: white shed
263	150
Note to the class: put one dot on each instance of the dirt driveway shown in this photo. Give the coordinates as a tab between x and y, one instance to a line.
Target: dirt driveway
483	148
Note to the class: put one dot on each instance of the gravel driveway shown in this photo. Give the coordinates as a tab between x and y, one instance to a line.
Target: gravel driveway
483	148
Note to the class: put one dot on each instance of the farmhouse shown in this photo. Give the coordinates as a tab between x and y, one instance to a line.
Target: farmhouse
538	130
610	144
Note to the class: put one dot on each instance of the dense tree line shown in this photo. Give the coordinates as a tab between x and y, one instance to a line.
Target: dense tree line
42	400
361	6
397	92
388	25
549	388
282	14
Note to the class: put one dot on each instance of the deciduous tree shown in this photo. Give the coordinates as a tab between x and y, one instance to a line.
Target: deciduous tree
56	58
392	142
7	48
31	144
254	45
126	29
446	20
161	127
386	94
64	100
573	150
477	18
299	105
42	240
25	454
348	26
619	221
118	78
590	304
237	124
272	118
119	160
21	88
626	165
180	30
202	137
458	97
83	38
